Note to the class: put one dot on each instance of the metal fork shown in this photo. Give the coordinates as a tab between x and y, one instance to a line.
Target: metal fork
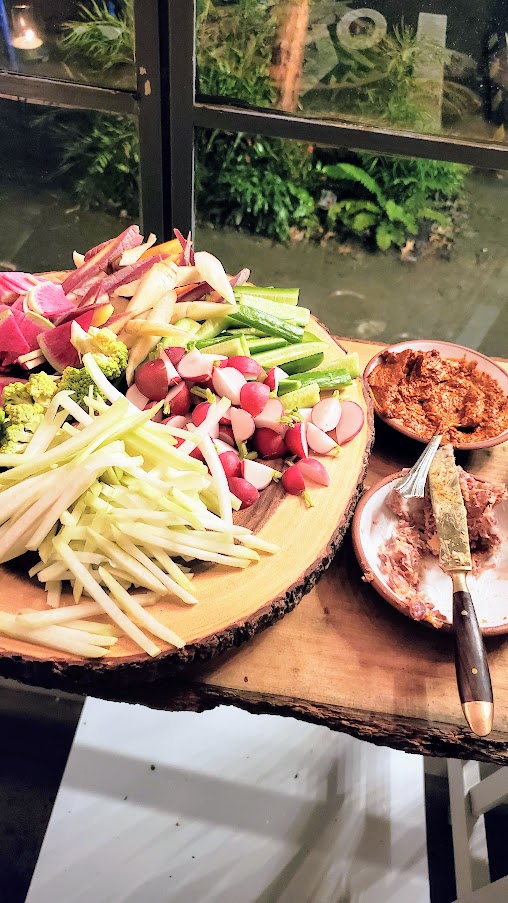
412	486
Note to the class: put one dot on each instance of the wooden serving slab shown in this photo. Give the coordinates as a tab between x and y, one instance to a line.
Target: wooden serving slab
234	604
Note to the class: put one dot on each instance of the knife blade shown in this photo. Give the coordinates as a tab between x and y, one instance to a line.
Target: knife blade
471	666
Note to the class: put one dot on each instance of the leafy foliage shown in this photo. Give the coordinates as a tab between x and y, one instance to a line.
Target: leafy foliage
101	36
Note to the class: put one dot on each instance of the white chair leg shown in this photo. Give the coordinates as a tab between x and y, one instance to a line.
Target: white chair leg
467	831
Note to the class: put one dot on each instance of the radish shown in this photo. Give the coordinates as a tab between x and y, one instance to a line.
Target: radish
173	374
231	463
244	491
318	441
226	435
259	475
158	416
294	483
246	365
151	378
296	440
273	378
228	382
243	425
179	399
271	415
174	353
199	413
269	444
197	453
350	423
312	469
226	418
179	421
326	414
253	397
195	366
137	398
221	446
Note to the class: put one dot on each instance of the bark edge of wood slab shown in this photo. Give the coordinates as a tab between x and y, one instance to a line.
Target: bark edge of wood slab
111	676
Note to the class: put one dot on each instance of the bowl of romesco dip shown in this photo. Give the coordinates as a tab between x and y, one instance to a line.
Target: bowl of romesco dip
423	387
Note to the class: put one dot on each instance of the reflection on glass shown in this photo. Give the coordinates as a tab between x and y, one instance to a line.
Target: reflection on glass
73	185
90	42
390	64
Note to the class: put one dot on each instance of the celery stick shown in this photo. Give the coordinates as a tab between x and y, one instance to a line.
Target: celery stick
304	397
266	343
280	356
281	295
300	316
248	316
304	364
231	347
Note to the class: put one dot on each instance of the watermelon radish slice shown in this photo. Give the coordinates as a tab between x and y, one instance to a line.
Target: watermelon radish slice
56	345
12	341
31	325
47	299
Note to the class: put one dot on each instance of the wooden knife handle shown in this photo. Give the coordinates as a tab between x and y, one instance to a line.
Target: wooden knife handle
471	666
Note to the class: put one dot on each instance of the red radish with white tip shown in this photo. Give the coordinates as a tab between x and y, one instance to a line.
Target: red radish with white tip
136	397
319	441
179	421
226	435
243	425
313	470
326	414
173	374
197	453
152	380
295	438
195	366
244	491
350	423
226	418
270	416
294	483
221	446
253	397
231	464
227	383
199	413
246	365
259	475
159	415
174	354
269	444
273	378
179	399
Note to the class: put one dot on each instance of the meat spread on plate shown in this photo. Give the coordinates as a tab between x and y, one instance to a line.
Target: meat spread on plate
402	556
428	393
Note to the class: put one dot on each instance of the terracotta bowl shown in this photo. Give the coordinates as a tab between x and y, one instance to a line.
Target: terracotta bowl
447	350
373	524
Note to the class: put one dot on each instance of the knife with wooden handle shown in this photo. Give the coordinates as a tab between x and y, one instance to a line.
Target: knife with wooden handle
471	666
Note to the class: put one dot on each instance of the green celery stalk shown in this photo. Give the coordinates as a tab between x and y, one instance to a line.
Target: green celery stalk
271	326
281	295
280	356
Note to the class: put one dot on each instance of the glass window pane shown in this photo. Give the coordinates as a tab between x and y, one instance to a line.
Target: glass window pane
382	248
443	70
73	185
90	42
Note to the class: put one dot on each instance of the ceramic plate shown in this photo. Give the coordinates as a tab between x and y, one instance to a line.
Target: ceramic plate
447	350
374	522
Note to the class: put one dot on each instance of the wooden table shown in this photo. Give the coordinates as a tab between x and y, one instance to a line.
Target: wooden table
344	658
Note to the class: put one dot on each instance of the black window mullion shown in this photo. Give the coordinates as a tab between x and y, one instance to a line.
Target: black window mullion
67	94
181	30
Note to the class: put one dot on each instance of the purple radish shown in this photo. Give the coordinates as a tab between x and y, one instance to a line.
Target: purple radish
268	443
259	475
179	399
227	383
295	438
314	470
350	423
294	483
244	491
253	397
273	378
226	435
243	425
152	380
271	415
231	463
195	366
136	397
326	414
246	365
319	441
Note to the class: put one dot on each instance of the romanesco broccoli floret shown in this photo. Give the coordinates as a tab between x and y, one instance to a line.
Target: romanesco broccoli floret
78	382
110	354
18	423
39	388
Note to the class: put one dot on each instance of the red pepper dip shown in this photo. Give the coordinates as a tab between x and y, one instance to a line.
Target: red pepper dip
430	394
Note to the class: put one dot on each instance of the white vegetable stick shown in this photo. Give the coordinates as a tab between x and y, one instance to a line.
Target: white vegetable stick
159	280
219	477
102	630
212	271
54	591
173	569
54	637
139	614
162	311
214	414
255	542
132	255
202	310
171	585
141	575
110	607
180	548
68	613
